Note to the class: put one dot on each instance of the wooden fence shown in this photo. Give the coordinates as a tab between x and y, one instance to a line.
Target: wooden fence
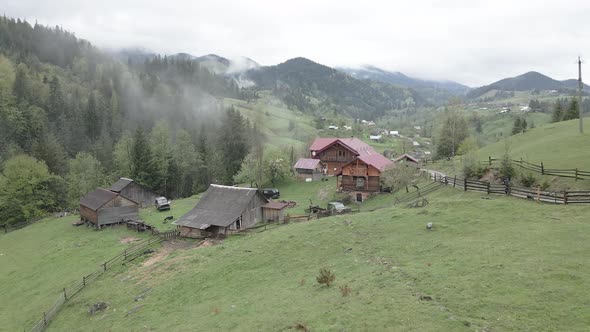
573	173
563	197
129	254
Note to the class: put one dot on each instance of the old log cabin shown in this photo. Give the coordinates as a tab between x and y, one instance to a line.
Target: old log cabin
362	176
223	210
135	192
337	152
104	207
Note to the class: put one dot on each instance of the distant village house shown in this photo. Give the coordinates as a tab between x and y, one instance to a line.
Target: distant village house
307	168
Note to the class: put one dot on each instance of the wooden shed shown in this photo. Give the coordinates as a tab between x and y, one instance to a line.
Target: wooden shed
274	211
135	192
307	168
222	210
104	207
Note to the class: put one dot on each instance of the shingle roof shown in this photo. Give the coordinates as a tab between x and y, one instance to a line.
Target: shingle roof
306	163
96	199
120	184
352	143
406	157
376	160
275	205
219	206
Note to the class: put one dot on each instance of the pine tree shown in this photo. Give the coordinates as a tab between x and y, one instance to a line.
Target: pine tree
573	111
55	103
557	112
93	126
517	127
142	169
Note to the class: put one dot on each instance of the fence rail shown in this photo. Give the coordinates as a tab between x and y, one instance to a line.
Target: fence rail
573	173
127	255
563	197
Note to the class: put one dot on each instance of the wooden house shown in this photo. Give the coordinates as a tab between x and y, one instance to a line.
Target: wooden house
223	210
336	152
104	207
406	159
362	176
313	169
135	192
274	211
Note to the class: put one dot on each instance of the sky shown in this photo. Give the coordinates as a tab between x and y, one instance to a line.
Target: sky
469	41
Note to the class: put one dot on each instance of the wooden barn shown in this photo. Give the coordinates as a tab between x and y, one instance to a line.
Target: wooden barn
274	211
135	192
222	210
406	159
312	169
104	207
336	152
362	176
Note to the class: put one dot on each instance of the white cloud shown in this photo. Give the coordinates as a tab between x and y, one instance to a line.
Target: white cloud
470	41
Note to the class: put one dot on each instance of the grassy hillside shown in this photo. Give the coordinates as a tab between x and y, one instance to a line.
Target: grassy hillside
39	260
272	118
518	266
558	145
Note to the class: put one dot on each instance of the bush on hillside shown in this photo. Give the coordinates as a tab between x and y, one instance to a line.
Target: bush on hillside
326	277
528	179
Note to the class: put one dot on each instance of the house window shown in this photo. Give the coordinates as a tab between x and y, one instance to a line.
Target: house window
360	182
341	153
239	223
359	197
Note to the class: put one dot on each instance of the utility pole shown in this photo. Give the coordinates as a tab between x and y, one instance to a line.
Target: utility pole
580	85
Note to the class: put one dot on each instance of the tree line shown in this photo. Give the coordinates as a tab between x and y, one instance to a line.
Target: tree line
74	118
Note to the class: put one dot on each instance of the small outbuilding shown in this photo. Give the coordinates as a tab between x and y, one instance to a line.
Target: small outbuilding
104	207
406	158
274	211
135	192
223	210
312	169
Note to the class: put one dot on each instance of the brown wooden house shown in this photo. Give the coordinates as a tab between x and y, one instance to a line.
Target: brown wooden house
104	207
223	210
135	192
336	152
362	176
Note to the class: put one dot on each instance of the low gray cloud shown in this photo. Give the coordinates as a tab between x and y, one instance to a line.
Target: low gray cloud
471	41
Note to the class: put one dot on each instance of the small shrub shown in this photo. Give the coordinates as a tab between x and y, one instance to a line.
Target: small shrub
326	277
527	180
345	290
300	327
545	185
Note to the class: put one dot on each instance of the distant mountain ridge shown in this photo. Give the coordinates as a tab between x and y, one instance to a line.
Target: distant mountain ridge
528	81
398	78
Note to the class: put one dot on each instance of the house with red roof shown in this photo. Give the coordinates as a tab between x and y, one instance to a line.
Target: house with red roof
336	152
362	176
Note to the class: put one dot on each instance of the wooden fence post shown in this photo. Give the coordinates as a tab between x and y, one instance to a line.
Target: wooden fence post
576	174
454	181
84	281
104	266
490	160
465	184
488	187
542	169
565	197
45	319
65	295
125	252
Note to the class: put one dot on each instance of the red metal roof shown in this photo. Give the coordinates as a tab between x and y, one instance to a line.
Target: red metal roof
352	143
306	163
376	160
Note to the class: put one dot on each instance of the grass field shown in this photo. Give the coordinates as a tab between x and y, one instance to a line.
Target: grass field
39	260
272	118
498	264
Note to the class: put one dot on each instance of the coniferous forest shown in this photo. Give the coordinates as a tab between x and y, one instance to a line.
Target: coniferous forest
75	118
